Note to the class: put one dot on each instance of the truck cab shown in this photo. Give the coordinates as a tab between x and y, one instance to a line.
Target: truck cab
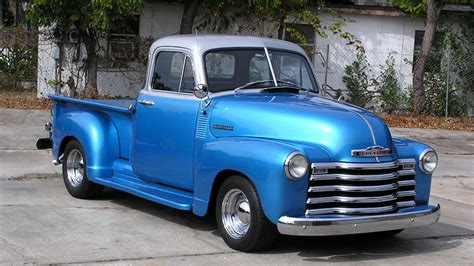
236	126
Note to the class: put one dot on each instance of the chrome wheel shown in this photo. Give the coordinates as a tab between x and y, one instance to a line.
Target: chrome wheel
75	168
236	213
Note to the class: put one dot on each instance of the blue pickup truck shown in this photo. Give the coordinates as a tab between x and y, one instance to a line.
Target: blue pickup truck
236	127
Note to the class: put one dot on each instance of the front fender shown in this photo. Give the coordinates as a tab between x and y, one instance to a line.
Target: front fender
97	135
407	148
262	161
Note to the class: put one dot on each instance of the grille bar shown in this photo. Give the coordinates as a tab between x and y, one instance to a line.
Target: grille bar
389	208
347	177
352	199
361	188
353	188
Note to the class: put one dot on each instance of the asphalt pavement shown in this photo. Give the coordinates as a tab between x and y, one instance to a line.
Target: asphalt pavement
41	223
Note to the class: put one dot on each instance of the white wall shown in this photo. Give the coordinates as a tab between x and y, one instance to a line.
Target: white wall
380	36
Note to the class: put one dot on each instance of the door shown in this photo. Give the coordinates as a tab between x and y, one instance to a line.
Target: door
166	122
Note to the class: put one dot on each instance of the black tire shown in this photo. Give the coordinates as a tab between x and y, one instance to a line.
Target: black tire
83	189
261	233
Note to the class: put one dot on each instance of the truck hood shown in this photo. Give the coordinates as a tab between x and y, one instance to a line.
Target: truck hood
308	119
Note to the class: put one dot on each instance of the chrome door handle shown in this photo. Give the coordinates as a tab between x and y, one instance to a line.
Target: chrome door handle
146	102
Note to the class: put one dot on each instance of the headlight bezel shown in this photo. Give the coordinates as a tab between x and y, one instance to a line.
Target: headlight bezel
288	171
422	161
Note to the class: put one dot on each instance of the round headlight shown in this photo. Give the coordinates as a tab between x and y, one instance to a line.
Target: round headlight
296	165
428	161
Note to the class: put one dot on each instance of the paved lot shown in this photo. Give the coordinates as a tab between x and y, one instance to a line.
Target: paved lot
41	223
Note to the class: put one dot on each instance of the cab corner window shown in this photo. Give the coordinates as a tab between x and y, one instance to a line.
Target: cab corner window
173	71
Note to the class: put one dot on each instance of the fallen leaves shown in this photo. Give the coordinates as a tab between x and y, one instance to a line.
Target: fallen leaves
412	121
23	99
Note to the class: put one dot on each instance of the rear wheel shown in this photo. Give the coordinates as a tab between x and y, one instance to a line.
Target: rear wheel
240	218
75	172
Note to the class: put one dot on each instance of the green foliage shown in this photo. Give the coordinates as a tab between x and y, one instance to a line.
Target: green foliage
17	63
222	12
80	15
357	80
414	7
387	86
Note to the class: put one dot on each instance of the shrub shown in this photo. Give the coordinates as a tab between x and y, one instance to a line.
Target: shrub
387	87
17	63
357	81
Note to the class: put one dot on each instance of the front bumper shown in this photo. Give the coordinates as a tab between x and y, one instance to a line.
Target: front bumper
324	225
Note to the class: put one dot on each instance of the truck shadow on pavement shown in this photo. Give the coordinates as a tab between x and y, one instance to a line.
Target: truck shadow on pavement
416	241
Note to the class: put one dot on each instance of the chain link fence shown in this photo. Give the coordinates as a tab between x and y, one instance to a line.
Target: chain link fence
382	81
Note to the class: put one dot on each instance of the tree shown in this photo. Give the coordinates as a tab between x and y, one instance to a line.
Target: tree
189	13
220	12
432	9
89	18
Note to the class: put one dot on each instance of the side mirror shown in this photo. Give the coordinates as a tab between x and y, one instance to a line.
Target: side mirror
201	91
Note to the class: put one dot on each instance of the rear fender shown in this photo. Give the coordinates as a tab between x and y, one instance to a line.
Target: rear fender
97	135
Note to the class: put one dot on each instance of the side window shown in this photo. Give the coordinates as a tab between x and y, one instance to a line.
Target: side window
173	71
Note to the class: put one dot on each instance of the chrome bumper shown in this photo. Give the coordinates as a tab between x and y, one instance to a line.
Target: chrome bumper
323	226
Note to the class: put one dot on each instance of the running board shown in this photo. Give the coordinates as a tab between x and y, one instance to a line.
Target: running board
124	180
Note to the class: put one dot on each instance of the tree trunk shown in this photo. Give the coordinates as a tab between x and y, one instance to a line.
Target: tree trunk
281	27
91	65
432	14
187	20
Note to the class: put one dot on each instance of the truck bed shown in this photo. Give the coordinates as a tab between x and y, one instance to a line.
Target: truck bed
115	105
117	111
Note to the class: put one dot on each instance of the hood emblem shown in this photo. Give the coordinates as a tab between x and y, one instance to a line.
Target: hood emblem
372	151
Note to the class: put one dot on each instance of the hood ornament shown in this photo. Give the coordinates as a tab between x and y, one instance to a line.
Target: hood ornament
372	151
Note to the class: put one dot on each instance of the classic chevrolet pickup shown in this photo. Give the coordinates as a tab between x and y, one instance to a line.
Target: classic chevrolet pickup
236	126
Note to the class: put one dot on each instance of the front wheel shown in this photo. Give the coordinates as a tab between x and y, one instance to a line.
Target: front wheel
75	173
240	218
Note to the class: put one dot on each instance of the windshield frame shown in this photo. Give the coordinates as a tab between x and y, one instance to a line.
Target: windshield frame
308	65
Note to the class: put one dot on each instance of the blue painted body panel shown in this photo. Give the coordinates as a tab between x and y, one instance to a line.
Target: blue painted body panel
171	153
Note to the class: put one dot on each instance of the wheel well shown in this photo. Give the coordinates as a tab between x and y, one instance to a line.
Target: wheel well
220	178
65	141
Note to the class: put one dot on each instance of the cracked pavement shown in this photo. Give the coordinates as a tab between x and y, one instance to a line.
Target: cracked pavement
41	223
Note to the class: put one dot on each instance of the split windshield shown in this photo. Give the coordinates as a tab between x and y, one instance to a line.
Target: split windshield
231	69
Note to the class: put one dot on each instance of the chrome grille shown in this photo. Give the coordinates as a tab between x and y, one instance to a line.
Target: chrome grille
361	188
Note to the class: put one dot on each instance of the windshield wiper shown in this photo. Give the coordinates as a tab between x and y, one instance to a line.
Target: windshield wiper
251	84
291	85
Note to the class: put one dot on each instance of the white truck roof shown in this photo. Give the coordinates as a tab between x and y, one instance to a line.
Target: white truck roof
199	44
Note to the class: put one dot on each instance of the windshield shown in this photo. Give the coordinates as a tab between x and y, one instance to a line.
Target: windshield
230	69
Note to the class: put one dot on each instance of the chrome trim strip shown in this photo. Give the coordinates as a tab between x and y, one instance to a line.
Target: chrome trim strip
356	166
368	125
343	188
406	193
406	161
406	172
404	183
326	225
348	177
405	204
340	210
352	199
